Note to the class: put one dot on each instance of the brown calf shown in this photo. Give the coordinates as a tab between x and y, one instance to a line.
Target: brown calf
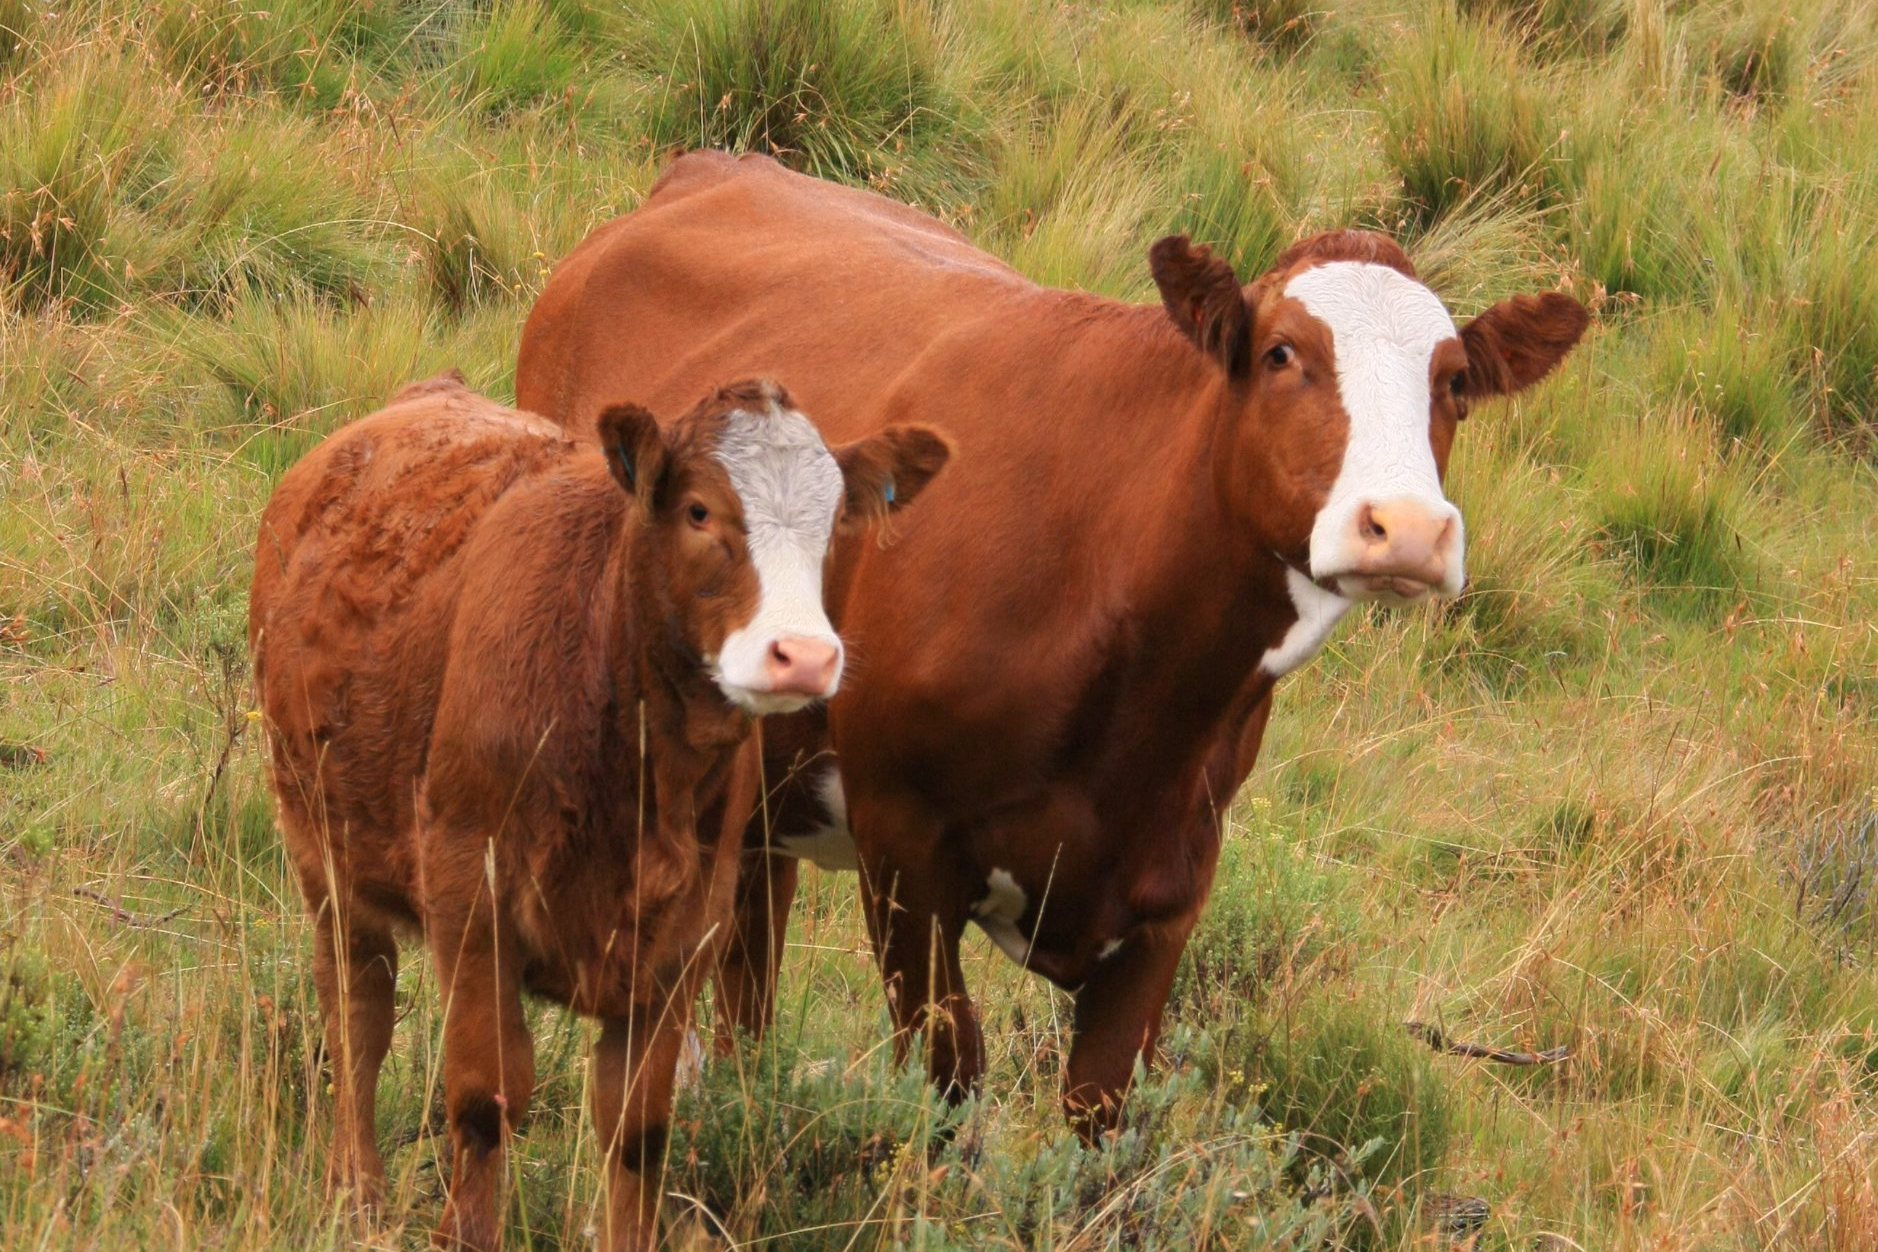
504	675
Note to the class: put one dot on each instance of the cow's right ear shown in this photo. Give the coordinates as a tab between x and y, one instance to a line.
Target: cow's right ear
1202	296
636	451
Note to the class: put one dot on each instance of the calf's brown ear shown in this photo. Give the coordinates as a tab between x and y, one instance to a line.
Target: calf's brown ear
635	448
888	470
1519	340
1202	296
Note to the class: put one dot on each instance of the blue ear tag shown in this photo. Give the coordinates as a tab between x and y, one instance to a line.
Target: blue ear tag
890	492
626	465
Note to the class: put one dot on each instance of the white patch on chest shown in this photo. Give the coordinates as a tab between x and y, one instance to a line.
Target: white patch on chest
997	913
1319	611
1109	949
790	487
831	845
1384	329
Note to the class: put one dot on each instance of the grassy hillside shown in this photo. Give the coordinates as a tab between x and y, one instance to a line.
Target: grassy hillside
1619	797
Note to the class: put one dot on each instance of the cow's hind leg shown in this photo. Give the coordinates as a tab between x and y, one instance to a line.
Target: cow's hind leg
355	971
488	1066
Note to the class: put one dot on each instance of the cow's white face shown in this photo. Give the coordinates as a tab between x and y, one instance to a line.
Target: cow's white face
1385	530
1345	379
790	488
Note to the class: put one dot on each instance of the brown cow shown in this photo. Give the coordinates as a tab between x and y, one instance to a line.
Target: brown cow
503	675
1071	649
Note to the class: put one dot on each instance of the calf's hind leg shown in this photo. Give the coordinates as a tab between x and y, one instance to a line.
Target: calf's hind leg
355	971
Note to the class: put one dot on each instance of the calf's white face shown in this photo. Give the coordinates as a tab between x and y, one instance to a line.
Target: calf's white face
1385	531
791	490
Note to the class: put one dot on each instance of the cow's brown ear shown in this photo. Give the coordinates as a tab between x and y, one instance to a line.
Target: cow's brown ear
888	470
636	451
1519	340
1202	296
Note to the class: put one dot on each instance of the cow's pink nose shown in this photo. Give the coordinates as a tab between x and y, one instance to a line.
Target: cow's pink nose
802	667
1405	539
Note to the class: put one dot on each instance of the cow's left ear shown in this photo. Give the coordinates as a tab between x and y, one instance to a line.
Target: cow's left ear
1203	298
636	451
885	472
1519	340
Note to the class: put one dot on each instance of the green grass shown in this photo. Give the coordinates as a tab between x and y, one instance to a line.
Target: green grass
1611	798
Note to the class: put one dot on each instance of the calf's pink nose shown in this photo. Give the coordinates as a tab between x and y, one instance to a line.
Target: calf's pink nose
801	667
1404	539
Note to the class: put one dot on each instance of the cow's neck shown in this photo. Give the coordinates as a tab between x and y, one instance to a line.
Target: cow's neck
1195	575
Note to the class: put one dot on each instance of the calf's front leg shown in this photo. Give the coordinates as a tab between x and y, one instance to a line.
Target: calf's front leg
488	1067
635	1064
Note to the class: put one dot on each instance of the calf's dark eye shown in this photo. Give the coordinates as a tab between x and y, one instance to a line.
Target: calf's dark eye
1458	384
1280	355
698	514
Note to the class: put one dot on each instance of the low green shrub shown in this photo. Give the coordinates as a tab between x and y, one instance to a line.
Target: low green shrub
1356	1088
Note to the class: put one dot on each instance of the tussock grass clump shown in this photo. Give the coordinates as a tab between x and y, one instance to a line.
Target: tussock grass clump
1461	115
304	51
830	86
276	376
1284	26
1738	374
472	239
73	148
1674	514
514	54
18	21
1557	26
1071	208
260	214
1835	320
1532	601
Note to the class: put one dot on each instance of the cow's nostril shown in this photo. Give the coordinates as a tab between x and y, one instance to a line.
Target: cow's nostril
1370	527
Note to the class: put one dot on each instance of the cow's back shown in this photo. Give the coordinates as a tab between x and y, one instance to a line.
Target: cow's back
356	578
737	266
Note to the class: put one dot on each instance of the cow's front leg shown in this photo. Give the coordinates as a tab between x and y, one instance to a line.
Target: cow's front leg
1118	1018
751	959
915	920
488	1065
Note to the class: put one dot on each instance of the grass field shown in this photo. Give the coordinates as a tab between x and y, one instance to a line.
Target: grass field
1620	797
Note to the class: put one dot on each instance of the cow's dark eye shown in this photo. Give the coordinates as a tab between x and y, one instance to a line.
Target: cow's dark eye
698	514
1280	355
1458	384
